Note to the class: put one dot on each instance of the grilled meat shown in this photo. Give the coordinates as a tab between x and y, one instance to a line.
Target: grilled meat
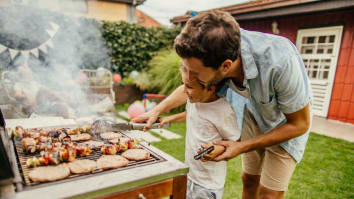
136	154
82	166
49	174
110	135
111	162
81	137
94	144
109	149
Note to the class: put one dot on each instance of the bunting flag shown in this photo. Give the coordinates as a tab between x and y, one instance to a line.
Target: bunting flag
49	43
51	32
54	26
43	48
13	53
35	51
2	48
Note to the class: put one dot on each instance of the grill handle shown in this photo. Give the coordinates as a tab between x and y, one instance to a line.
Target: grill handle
2	120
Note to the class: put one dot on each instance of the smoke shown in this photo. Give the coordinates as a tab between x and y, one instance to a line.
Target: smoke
55	46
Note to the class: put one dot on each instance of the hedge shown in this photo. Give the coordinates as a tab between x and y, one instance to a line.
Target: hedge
132	46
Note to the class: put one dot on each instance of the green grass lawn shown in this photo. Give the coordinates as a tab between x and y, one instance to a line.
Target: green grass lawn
326	171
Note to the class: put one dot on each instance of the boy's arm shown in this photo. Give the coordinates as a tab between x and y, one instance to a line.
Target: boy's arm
177	98
180	117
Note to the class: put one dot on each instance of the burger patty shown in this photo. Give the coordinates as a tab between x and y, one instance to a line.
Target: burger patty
111	162
96	144
49	173
110	135
136	154
80	137
82	166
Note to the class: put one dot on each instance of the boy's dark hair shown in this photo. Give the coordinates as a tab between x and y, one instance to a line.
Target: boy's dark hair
212	37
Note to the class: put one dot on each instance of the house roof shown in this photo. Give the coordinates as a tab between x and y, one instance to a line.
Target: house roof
133	2
145	20
273	8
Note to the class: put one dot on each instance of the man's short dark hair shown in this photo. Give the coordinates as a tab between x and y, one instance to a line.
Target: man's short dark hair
212	37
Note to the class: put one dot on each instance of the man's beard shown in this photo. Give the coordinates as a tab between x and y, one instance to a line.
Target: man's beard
218	81
218	78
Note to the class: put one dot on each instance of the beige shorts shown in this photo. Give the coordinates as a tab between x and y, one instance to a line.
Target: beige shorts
273	164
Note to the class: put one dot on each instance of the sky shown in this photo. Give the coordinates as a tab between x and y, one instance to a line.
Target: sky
164	10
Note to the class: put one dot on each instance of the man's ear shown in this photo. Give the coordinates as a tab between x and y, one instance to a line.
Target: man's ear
226	66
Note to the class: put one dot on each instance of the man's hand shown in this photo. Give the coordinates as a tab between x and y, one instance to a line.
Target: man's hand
233	149
218	149
149	117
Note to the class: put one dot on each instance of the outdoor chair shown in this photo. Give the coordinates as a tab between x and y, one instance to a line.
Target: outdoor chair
101	85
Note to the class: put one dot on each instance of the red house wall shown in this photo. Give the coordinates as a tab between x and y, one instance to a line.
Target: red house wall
342	100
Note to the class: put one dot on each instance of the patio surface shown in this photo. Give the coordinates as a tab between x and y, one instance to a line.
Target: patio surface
333	128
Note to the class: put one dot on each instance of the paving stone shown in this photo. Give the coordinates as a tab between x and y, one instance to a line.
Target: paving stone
120	120
166	133
124	114
143	135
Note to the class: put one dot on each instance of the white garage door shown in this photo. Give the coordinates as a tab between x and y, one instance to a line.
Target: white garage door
319	48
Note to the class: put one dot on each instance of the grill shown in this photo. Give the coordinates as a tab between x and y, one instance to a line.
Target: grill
22	158
159	176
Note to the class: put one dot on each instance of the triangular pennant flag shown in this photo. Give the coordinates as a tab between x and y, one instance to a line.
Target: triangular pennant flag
43	48
35	52
54	26
51	32
25	54
50	43
13	53
2	48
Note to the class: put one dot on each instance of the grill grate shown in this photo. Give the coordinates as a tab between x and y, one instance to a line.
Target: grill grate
22	158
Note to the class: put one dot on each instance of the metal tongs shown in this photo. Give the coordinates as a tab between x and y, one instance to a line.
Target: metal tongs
100	126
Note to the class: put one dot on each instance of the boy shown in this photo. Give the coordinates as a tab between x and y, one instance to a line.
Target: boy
205	124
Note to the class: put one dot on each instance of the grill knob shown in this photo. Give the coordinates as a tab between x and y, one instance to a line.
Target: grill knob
141	196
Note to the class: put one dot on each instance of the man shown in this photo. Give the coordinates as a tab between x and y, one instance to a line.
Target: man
269	72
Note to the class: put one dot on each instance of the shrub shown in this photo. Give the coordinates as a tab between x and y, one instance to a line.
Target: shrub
162	75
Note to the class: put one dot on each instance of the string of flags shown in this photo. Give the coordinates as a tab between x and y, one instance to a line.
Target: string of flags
35	51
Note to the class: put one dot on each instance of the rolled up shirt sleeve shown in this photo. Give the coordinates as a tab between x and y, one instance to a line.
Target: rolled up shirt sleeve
291	86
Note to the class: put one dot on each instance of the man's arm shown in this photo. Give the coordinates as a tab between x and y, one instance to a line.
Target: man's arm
297	124
177	98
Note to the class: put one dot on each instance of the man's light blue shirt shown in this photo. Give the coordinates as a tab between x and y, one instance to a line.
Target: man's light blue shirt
277	81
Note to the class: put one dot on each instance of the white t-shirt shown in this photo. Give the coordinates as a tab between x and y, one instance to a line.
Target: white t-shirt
208	122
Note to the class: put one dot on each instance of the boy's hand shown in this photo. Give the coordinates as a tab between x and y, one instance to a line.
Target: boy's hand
218	149
149	117
165	120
